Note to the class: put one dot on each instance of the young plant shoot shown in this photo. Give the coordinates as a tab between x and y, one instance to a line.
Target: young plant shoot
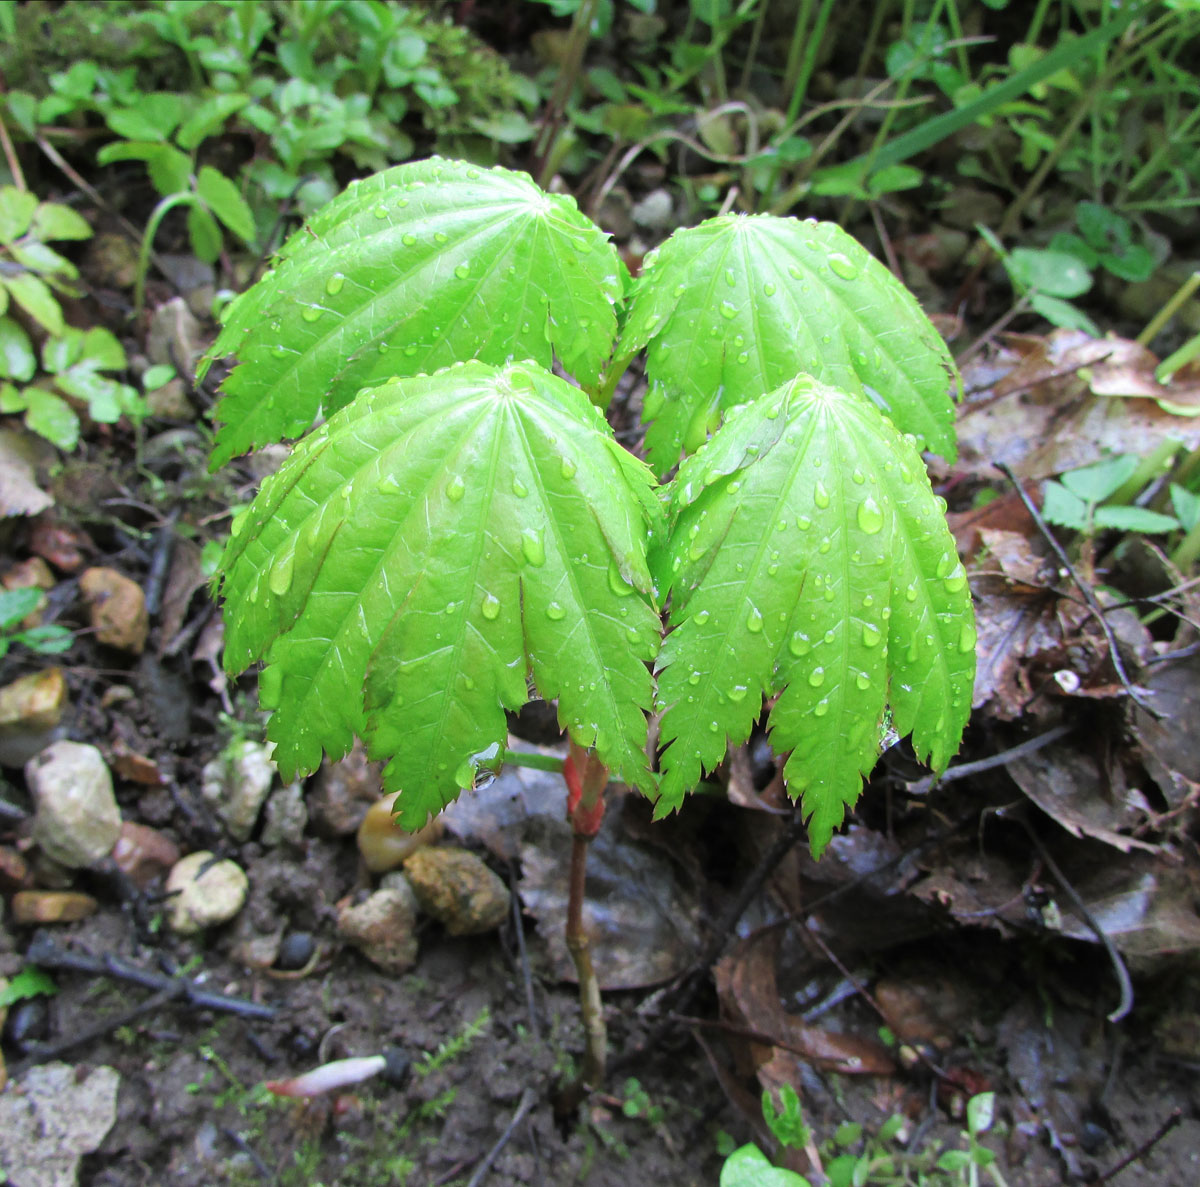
465	527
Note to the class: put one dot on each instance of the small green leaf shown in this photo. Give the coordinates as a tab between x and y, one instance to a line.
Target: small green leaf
1186	506
1063	314
50	639
208	118
16	604
170	170
35	297
1101	227
204	233
981	1110
1093	484
54	221
29	982
51	417
809	558
1062	508
226	202
17	360
1134	519
1134	263
16	212
748	1166
37	257
420	266
1054	273
444	538
735	307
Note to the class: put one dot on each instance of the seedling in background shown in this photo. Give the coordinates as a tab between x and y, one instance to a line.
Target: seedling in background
15	606
1077	501
464	527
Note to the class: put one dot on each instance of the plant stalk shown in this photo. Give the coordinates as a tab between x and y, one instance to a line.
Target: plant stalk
586	777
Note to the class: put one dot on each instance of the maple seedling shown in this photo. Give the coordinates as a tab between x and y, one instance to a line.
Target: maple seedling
464	527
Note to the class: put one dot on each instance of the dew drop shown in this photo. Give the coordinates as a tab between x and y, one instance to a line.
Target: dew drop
966	638
280	579
280	352
702	617
821	496
863	681
737	693
617	583
462	271
804	523
694	678
312	313
870	635
816	677
910	593
490	607
714	726
440	237
408	239
380	212
956	579
455	489
555	612
769	288
825	545
334	284
566	467
799	644
533	547
389	483
754	620
947	565
870	518
728	310
519	488
843	266
821	708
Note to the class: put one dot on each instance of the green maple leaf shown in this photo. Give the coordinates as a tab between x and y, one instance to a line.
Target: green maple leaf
406	272
440	541
809	558
739	305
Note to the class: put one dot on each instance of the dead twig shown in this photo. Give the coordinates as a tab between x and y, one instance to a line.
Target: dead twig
46	954
1173	1119
44	1052
1085	591
524	1105
964	770
1119	970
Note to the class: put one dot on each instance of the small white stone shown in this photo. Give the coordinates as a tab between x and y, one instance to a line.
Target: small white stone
77	820
237	783
198	900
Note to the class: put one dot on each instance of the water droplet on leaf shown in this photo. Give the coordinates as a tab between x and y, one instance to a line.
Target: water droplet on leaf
555	612
455	489
280	579
334	284
870	635
754	620
843	266
490	607
821	495
870	517
533	547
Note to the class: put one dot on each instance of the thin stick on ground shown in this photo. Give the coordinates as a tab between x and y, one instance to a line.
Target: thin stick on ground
1085	591
526	1103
